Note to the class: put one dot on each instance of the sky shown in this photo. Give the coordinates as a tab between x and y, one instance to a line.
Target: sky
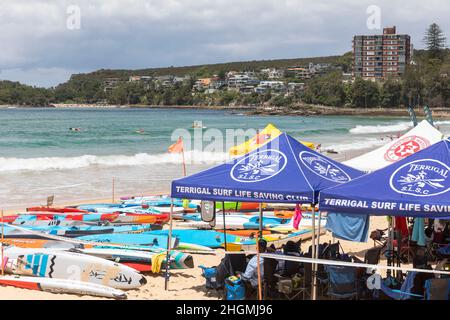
43	42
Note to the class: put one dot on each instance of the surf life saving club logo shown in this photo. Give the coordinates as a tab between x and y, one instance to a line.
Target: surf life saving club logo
323	167
405	147
259	166
421	178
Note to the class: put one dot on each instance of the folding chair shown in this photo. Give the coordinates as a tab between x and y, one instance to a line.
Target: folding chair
342	282
437	289
270	279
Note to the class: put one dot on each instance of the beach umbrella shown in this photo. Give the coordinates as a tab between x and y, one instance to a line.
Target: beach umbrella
420	137
281	171
417	186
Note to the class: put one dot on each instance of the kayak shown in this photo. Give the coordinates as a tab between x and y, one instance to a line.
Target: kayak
62	286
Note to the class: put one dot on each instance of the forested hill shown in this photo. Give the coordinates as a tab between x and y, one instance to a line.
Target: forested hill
208	70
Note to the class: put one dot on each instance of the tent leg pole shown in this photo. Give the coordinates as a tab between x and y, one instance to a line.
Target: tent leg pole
258	267
169	244
318	234
313	268
224	226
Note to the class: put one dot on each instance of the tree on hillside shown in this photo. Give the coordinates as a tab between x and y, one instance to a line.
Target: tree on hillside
326	90
390	93
365	94
435	40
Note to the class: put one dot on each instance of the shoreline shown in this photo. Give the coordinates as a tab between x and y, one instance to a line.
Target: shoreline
303	110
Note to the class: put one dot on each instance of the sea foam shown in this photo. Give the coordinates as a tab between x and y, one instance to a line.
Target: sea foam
141	159
397	127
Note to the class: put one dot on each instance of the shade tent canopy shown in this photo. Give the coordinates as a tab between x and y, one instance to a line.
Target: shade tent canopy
283	170
266	135
418	138
418	186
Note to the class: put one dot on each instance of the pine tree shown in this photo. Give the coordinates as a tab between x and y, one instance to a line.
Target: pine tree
435	40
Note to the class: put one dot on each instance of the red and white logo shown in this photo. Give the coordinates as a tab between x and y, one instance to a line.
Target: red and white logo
405	147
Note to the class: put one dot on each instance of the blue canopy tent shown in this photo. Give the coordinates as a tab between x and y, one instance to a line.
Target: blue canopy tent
418	186
283	170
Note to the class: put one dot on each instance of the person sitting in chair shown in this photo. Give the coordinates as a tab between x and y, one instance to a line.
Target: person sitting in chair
251	272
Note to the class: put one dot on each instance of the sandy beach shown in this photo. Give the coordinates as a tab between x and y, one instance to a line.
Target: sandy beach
183	284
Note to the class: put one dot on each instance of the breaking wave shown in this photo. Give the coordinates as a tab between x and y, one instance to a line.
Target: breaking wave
357	145
141	159
398	127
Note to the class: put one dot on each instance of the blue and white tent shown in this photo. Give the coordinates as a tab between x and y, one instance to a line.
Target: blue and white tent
283	170
417	186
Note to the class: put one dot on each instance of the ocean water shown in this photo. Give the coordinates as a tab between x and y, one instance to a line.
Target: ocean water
40	156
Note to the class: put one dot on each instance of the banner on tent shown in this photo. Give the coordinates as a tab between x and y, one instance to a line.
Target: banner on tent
240	194
384	207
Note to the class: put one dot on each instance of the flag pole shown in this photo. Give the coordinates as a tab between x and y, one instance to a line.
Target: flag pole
184	162
3	268
169	244
313	254
224	227
258	267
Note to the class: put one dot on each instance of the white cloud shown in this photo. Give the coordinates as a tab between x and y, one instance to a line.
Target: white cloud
148	33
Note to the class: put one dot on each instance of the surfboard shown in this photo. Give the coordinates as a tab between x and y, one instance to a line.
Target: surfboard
57	264
207	238
62	286
178	260
154	240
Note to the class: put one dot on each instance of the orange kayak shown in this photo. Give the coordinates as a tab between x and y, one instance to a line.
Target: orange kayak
244	233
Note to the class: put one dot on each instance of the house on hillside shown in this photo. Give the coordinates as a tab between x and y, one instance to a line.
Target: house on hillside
246	79
110	84
273	86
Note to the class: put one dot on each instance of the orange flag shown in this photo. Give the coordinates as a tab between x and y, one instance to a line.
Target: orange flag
177	147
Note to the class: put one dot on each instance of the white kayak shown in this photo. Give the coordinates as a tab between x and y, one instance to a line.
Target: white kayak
58	264
62	286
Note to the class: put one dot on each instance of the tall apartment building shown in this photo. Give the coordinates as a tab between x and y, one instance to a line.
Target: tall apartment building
376	57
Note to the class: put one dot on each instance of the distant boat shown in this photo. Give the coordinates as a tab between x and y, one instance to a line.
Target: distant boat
198	125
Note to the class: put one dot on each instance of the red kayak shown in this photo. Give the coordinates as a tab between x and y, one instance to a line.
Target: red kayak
58	210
